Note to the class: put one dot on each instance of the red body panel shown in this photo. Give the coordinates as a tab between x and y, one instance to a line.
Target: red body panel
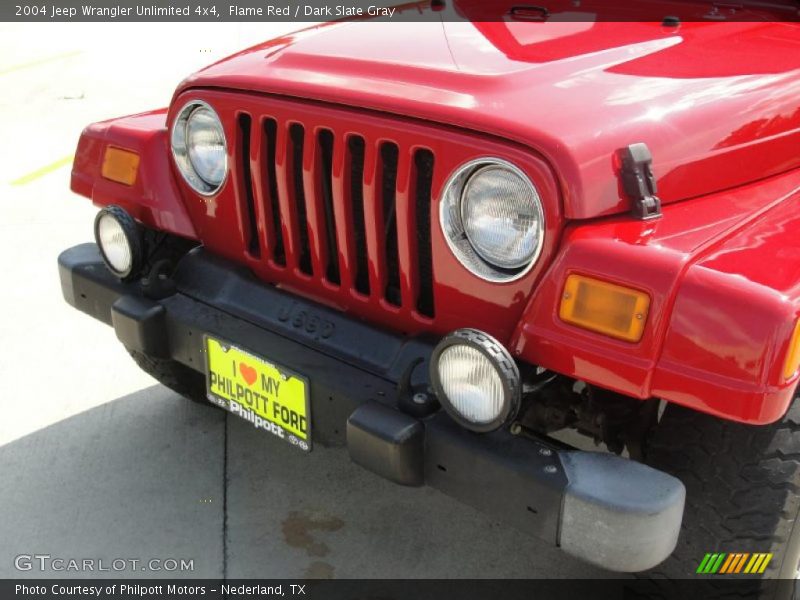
743	295
558	100
458	299
154	198
717	103
722	273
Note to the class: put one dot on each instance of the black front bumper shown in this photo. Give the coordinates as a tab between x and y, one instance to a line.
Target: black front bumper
609	511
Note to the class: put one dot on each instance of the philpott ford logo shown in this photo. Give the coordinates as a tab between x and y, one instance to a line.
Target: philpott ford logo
734	563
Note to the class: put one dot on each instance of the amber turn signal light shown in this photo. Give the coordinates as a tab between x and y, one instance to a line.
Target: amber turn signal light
792	362
120	165
606	308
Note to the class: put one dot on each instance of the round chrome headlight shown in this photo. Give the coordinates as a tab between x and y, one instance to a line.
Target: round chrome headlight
199	148
476	380
120	241
493	220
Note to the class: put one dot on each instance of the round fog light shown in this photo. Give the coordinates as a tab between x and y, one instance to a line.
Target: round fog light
476	380
120	241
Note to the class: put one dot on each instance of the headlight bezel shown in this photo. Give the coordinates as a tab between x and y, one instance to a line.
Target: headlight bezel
179	146
451	207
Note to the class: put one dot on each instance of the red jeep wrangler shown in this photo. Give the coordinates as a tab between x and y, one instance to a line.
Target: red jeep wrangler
440	243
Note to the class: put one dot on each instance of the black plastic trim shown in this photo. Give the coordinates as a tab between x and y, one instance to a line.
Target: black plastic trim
387	442
630	512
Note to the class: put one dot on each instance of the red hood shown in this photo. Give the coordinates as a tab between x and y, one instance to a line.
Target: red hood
717	103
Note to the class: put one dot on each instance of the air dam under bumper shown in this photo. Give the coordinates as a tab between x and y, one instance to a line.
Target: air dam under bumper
609	511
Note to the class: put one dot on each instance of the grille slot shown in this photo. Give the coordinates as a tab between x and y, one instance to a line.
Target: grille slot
248	212
272	206
389	155
297	139
423	166
325	146
356	166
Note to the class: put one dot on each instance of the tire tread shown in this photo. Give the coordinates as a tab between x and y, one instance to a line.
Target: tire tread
172	374
741	481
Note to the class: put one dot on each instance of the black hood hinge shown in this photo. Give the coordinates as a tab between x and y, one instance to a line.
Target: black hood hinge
638	181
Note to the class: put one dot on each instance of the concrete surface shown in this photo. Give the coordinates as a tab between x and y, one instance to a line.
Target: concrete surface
139	477
100	463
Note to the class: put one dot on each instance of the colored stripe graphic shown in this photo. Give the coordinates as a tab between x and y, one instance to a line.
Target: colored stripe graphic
717	564
732	558
741	562
767	558
734	563
723	563
704	564
749	567
711	563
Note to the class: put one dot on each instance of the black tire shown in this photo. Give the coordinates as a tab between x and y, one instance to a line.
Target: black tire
741	488
172	374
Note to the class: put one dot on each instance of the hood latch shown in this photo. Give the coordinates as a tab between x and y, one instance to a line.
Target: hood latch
638	181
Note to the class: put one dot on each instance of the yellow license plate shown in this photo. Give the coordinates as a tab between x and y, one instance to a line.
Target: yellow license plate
269	396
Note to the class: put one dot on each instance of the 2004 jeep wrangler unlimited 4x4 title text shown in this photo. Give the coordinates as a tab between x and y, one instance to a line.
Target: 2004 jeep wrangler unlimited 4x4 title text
438	243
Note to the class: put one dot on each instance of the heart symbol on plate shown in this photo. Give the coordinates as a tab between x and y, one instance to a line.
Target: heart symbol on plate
249	373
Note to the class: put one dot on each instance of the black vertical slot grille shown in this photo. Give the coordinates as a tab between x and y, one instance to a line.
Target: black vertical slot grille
249	212
325	141
388	156
423	163
272	205
355	148
271	159
296	137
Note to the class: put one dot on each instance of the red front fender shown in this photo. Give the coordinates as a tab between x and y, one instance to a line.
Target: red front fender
723	274
154	198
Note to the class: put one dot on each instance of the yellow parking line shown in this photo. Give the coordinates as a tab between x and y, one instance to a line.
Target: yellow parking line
34	175
40	61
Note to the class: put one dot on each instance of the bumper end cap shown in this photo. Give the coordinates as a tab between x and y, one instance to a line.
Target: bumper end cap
387	442
619	514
